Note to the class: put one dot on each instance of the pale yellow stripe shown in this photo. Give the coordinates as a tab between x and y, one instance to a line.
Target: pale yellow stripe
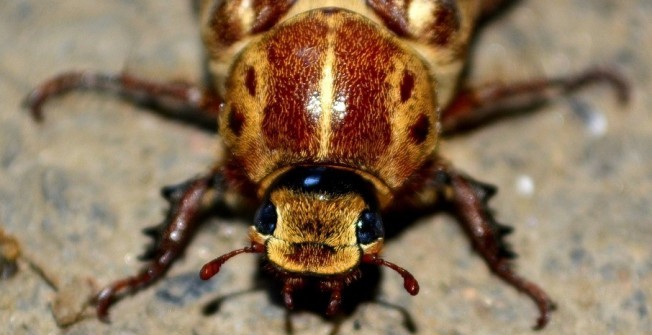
326	90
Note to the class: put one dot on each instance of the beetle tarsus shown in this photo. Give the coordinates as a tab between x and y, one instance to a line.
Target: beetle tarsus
600	75
181	100
103	301
108	295
183	218
474	107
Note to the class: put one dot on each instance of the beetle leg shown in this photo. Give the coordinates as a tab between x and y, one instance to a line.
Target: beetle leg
179	100
489	7
188	203
469	201
477	106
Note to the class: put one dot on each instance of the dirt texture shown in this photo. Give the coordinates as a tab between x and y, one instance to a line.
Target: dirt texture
575	181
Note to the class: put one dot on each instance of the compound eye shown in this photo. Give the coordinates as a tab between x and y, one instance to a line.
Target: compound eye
369	227
265	221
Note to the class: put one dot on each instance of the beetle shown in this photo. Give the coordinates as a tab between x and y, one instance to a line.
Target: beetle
331	116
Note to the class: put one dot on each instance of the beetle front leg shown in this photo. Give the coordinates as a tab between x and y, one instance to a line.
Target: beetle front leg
188	203
473	107
179	99
469	201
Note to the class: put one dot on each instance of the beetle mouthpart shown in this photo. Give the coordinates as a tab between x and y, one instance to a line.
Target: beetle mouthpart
213	267
289	286
409	282
287	297
336	299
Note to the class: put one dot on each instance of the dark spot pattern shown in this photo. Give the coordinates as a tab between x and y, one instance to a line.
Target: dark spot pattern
250	81
407	85
419	130
236	121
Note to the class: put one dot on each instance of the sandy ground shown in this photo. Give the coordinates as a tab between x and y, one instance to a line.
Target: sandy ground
575	181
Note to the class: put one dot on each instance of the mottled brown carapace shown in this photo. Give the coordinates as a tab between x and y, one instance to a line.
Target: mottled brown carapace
323	95
331	112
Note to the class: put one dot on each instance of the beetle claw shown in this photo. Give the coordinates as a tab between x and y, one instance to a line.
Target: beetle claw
103	301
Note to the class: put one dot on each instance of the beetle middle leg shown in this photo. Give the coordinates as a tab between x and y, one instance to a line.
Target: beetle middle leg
189	202
468	200
178	99
473	107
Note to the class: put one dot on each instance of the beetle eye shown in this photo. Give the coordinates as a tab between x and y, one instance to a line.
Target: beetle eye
369	227
265	221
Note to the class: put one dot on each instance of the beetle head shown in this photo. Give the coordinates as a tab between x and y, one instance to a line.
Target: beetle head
321	223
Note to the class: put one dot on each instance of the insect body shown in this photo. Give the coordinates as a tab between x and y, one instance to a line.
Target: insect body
331	117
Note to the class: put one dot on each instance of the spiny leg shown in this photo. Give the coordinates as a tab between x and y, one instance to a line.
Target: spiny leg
188	203
473	107
178	99
469	200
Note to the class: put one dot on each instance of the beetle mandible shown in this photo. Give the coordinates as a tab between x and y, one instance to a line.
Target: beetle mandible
331	117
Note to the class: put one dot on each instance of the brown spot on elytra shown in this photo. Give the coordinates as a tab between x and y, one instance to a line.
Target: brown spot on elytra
236	121
445	23
407	85
364	132
296	53
419	130
250	81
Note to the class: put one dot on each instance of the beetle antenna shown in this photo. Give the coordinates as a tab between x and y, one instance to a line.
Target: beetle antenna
213	267
409	282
